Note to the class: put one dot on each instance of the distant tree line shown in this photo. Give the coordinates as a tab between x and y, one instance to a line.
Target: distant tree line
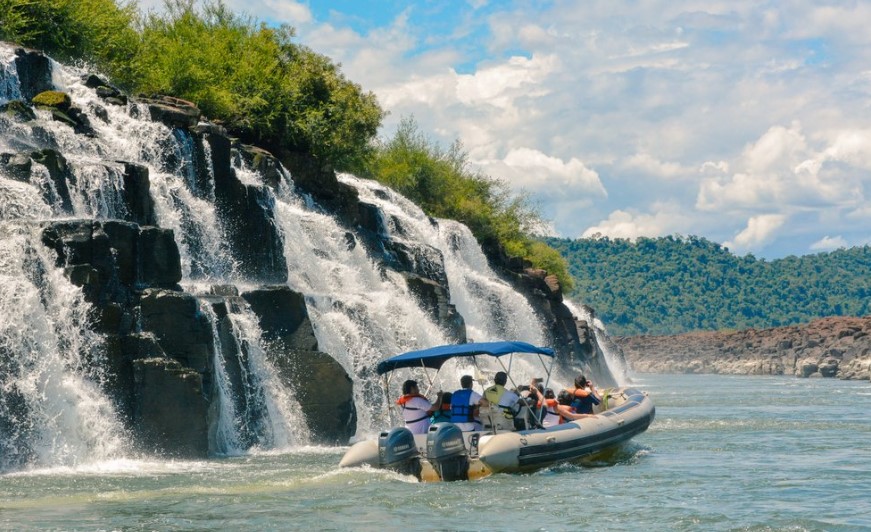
678	284
271	91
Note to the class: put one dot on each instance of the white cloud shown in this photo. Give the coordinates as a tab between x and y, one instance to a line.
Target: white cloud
631	225
828	243
547	176
650	165
695	117
283	10
759	231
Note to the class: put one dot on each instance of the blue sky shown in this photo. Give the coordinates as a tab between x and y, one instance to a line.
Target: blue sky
747	123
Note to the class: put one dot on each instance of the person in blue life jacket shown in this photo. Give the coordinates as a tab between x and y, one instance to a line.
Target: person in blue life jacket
443	413
584	395
465	403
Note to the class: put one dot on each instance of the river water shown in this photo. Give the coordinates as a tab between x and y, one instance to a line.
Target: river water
724	453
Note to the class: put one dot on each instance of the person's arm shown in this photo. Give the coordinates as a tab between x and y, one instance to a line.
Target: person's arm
566	412
438	404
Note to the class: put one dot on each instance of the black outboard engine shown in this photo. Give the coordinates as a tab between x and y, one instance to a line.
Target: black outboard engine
446	452
398	452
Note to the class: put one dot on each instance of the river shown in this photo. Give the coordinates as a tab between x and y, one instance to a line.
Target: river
724	453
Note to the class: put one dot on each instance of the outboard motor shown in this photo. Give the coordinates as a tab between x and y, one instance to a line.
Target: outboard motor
398	452
446	452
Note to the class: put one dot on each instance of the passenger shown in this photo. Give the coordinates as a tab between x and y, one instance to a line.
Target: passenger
565	410
504	399
416	409
443	413
465	403
547	401
584	395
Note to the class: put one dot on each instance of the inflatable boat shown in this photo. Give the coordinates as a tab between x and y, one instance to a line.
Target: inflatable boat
505	445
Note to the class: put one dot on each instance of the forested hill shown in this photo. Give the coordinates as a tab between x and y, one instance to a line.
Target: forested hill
678	284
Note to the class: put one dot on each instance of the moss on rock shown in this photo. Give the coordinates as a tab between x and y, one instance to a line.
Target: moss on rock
54	99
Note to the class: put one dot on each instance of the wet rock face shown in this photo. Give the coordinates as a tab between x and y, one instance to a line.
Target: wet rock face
34	72
322	387
171	413
826	348
248	212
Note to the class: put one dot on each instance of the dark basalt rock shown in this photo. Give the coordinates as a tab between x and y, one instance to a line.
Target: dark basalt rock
264	163
18	110
182	331
435	299
173	112
16	165
60	174
106	91
171	411
319	180
249	218
137	195
161	264
323	388
34	72
825	348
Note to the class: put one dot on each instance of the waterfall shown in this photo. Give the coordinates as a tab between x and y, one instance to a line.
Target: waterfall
9	86
52	409
360	312
616	364
253	408
492	308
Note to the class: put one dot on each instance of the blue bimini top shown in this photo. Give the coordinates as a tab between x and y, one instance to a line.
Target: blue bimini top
434	357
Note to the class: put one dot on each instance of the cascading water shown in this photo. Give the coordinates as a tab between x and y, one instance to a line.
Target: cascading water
254	410
617	364
95	183
492	309
360	313
52	410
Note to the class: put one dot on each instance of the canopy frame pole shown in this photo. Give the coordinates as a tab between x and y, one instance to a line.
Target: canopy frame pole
390	406
548	371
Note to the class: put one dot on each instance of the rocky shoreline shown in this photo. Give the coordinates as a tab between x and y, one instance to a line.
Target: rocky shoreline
838	347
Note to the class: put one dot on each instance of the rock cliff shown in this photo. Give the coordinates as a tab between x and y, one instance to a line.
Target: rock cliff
831	347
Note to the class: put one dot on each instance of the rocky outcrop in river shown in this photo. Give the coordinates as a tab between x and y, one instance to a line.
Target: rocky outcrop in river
830	347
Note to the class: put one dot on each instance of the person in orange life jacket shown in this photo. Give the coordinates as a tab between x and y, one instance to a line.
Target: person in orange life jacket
584	395
546	400
565	409
443	414
465	403
416	409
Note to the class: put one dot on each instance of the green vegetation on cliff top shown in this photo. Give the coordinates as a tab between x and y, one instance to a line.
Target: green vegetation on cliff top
268	90
677	284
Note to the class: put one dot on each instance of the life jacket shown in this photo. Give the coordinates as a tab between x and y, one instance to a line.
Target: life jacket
443	414
406	398
494	393
461	410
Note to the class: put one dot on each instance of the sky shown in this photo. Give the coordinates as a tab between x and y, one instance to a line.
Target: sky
747	123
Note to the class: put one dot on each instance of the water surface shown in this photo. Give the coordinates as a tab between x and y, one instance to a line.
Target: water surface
724	453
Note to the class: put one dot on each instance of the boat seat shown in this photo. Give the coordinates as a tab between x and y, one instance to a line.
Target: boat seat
493	419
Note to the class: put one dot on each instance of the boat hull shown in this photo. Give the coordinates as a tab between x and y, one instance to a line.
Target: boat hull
628	413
